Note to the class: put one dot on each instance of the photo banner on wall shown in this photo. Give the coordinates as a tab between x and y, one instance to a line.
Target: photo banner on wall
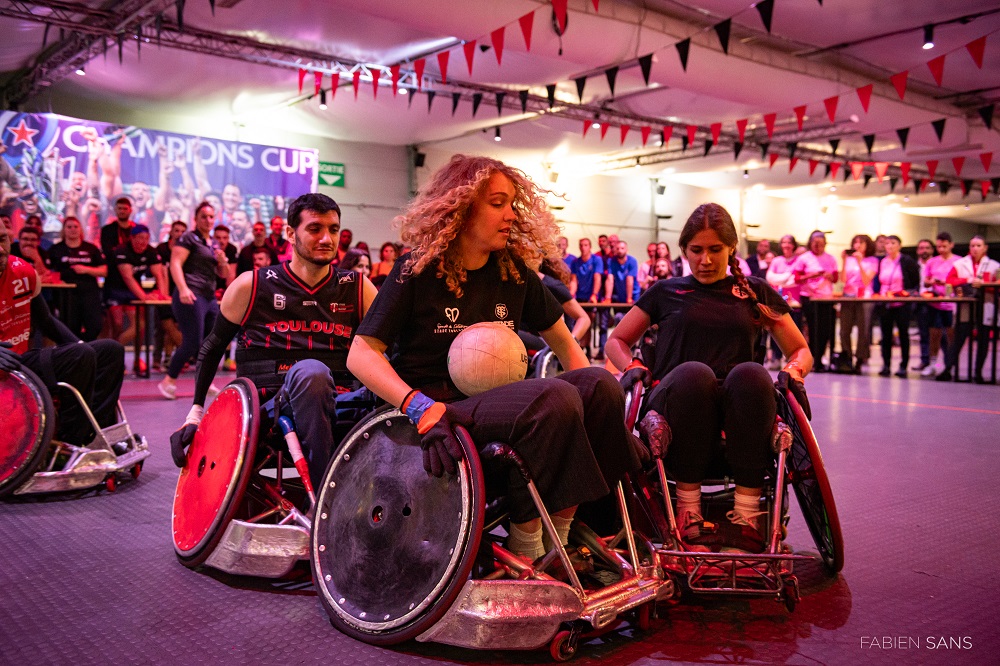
56	166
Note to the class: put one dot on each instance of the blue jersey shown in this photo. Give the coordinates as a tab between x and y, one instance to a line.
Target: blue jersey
620	272
584	271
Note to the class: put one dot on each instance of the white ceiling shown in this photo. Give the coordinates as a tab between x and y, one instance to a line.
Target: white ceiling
762	73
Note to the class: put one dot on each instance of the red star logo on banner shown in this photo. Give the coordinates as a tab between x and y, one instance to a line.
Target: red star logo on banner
23	134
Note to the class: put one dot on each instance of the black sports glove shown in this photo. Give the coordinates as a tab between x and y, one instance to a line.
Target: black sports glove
635	373
180	440
442	450
798	389
9	360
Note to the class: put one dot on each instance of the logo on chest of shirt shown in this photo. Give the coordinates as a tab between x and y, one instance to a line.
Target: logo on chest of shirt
344	279
451	314
341	307
279	301
740	292
270	274
501	310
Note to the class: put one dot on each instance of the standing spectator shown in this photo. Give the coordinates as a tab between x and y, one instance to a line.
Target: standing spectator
346	238
80	263
261	257
941	316
623	270
118	231
245	260
923	312
781	276
194	266
898	276
387	259
562	244
132	263
220	241
759	261
815	272
646	267
277	241
585	284
967	275
859	269
167	336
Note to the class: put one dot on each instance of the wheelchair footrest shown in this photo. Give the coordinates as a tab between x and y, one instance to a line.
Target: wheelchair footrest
256	549
734	573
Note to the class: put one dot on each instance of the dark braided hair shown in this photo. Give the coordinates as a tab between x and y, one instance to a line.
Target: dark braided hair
715	217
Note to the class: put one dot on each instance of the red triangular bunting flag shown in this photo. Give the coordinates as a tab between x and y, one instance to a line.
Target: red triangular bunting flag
646	129
394	71
937	68
302	77
668	131
985	185
880	169
317	82
586	127
812	166
376	75
976	48
931	169
692	129
526	22
791	163
857	168
800	115
831	107
470	52
741	127
772	158
418	69
865	95
559	7
604	129
443	65
357	82
899	82
769	119
904	171
624	129
595	4
496	37
716	131
334	84
834	168
986	159
958	163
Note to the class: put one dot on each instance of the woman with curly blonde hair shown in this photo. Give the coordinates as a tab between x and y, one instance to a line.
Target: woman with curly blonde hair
472	228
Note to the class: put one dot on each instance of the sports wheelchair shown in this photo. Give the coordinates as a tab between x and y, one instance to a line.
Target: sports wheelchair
244	500
398	554
32	461
797	462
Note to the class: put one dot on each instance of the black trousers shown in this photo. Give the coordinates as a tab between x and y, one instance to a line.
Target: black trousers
96	369
699	407
569	430
900	318
963	331
820	320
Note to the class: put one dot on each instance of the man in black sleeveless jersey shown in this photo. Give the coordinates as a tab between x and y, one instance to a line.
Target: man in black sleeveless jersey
294	323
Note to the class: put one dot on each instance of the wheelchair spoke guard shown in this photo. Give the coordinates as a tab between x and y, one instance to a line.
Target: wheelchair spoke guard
219	465
28	427
392	546
812	485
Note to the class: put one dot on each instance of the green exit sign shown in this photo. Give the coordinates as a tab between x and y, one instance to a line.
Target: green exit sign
331	174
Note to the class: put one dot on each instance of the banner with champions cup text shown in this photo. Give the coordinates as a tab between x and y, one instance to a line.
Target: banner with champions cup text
55	166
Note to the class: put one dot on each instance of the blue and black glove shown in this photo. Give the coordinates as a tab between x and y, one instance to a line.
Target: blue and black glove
442	451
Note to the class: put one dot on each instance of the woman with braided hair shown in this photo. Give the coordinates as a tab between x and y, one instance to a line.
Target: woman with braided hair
709	327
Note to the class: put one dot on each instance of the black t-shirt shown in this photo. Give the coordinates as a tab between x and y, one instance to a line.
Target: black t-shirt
62	258
112	235
199	267
558	289
231	255
141	266
709	323
422	317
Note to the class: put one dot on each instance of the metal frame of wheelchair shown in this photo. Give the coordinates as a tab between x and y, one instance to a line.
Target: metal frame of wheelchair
799	464
49	465
238	507
390	566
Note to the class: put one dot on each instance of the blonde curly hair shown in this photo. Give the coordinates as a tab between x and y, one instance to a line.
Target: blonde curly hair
439	213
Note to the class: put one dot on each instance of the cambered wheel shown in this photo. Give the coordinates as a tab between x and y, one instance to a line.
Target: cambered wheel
28	427
562	647
811	484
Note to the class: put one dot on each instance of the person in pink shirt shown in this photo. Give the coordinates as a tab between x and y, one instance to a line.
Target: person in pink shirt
859	269
899	276
815	272
941	314
781	276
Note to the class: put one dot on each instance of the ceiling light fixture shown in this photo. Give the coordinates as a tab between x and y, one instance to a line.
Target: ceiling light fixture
322	100
403	91
80	71
746	173
833	188
928	36
906	198
496	136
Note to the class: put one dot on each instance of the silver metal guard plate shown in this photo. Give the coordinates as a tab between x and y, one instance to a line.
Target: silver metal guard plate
506	615
87	469
253	549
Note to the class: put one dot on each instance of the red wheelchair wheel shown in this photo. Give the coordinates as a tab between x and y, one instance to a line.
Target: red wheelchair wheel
807	474
28	427
219	466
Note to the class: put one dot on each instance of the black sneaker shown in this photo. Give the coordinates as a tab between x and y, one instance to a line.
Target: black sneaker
944	376
901	373
884	372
